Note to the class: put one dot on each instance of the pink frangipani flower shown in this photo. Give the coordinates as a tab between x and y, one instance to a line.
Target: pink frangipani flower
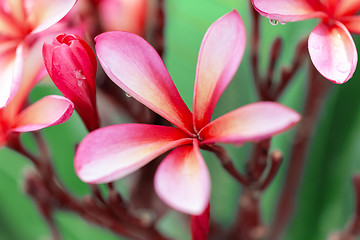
182	179
21	24
46	112
331	47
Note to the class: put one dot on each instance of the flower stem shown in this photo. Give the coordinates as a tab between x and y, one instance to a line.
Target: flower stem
317	89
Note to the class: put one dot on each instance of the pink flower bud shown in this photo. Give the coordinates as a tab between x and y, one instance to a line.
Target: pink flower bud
71	64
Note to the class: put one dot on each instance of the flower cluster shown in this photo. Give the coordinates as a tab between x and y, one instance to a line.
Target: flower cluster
40	37
182	179
331	47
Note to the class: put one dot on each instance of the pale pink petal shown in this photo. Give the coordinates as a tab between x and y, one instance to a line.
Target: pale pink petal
11	64
182	180
352	23
48	111
137	68
347	8
333	52
110	153
288	10
252	122
42	14
219	58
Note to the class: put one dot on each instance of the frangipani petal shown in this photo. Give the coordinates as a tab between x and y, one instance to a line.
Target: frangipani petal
347	7
352	23
288	10
200	225
42	14
219	58
110	153
252	122
32	69
48	111
333	52
137	68
11	64
182	180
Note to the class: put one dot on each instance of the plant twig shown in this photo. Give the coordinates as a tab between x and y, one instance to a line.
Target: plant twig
317	89
226	162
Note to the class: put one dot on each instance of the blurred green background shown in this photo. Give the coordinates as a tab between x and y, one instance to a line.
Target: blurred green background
325	201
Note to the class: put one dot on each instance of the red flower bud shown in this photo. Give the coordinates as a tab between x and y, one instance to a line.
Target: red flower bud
71	64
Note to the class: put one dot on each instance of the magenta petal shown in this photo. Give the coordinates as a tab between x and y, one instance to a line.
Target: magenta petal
48	111
333	52
347	7
200	225
219	58
110	153
42	14
252	122
182	180
137	68
352	23
71	64
287	10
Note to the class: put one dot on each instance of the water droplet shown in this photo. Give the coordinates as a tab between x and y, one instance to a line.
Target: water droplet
274	22
128	95
80	75
316	47
343	67
79	83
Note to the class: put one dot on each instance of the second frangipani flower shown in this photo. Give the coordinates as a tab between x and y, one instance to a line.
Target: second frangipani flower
182	179
22	24
331	47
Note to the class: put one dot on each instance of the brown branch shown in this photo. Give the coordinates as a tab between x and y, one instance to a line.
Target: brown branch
353	230
226	162
257	164
317	89
49	196
276	160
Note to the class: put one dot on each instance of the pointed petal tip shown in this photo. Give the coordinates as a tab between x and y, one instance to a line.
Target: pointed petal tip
250	123
220	54
135	66
112	152
46	112
286	10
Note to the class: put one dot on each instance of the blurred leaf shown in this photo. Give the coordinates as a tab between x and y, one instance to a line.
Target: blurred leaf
72	227
19	218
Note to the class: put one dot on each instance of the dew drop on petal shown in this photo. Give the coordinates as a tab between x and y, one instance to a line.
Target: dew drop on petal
127	95
316	47
79	83
274	22
80	75
343	67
